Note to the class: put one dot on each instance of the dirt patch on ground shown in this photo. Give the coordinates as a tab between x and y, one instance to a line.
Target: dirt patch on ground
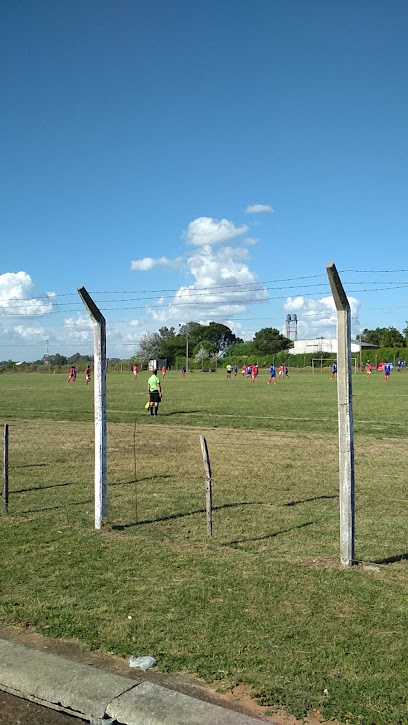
238	698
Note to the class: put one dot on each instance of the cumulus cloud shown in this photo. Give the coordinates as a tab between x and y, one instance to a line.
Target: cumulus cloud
258	208
78	321
16	296
205	230
148	263
78	329
223	286
317	317
250	241
22	333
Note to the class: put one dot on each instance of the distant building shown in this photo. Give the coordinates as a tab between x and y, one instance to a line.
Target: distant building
325	344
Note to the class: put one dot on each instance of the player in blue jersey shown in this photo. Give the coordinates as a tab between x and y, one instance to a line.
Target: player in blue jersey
387	371
334	370
272	375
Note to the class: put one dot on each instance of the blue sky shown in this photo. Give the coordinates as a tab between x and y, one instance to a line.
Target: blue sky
136	130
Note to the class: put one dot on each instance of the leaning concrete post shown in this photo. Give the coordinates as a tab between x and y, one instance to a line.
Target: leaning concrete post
101	487
345	417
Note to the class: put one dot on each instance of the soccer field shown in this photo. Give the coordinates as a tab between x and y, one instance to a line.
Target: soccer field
264	601
303	402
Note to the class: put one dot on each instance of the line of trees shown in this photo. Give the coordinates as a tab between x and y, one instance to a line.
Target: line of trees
207	343
386	336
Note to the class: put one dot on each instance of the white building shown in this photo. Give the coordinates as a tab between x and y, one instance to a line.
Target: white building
325	344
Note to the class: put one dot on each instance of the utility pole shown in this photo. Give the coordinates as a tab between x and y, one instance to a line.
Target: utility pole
180	326
345	417
187	349
101	481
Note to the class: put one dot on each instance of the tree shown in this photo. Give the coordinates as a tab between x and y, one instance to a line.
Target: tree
384	337
167	333
58	359
194	331
220	335
201	355
240	349
269	341
149	347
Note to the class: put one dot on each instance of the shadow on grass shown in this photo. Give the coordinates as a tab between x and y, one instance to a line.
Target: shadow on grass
32	465
147	478
53	508
268	536
306	500
42	488
179	412
392	559
121	527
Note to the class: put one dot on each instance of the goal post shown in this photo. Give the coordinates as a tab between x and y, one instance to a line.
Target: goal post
322	362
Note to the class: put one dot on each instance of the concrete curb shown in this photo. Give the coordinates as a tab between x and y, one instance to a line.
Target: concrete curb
99	696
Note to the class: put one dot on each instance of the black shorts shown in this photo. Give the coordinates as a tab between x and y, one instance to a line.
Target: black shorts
154	396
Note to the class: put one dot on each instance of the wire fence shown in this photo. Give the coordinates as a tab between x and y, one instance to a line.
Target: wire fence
274	494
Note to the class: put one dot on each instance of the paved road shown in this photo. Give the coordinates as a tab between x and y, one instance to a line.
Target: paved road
15	711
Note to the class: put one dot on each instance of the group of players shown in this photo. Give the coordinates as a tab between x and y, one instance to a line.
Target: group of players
72	375
251	372
387	367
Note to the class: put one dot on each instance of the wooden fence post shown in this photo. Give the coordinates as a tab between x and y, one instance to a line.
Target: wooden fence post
345	417
5	467
208	484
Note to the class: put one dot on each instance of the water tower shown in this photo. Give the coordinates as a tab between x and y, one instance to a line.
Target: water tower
291	326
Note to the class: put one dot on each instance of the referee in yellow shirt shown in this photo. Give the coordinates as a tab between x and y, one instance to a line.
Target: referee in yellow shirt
155	393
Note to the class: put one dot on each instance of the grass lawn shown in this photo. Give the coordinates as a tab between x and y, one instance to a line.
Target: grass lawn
264	601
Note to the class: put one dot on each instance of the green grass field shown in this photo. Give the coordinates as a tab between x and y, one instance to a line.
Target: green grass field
265	601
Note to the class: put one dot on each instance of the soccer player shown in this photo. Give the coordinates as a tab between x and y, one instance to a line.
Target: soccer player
87	375
368	369
163	371
235	369
155	393
135	371
281	372
249	372
229	370
183	371
72	375
272	375
334	371
387	371
244	369
255	372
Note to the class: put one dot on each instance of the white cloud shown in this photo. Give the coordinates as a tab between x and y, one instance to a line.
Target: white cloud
79	321
250	241
22	333
258	208
148	263
223	286
16	296
317	317
206	230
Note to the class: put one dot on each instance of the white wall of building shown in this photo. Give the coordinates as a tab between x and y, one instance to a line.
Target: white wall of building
302	347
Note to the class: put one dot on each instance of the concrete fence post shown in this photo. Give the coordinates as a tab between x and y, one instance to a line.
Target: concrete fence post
101	481
345	418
